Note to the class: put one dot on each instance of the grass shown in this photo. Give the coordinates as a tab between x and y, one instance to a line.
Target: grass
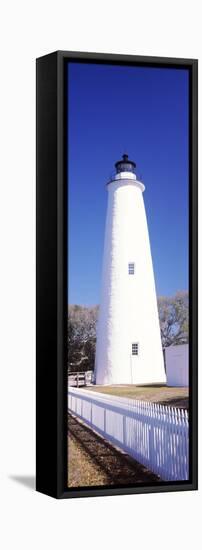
175	397
82	472
93	461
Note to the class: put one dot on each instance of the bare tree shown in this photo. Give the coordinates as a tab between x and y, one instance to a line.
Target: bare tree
81	337
174	318
82	321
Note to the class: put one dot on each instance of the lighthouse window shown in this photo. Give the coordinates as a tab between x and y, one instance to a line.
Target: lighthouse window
131	268
135	349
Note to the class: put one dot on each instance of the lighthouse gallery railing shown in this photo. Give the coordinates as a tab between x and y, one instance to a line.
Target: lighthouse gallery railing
155	435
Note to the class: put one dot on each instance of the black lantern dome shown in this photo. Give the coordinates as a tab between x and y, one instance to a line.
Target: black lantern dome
125	165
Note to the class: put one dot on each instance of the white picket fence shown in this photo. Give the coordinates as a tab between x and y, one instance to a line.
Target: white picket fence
155	435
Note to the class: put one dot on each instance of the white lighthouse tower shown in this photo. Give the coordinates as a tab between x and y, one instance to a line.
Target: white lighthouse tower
128	349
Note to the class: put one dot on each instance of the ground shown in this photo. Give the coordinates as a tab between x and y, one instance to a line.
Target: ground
93	461
175	397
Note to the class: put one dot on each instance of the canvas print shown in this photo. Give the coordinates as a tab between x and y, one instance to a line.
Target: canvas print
128	266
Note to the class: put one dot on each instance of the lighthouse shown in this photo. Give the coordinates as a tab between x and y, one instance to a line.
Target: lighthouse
128	347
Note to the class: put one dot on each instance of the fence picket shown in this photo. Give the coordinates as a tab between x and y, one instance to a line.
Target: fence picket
155	435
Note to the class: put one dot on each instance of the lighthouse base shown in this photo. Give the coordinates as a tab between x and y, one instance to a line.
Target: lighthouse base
135	371
136	381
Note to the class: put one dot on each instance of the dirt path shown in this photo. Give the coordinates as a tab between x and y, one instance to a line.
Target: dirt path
92	461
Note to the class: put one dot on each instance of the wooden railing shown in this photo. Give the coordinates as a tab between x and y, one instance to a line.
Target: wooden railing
80	378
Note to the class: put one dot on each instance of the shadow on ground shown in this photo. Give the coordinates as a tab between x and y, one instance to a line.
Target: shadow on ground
118	467
27	481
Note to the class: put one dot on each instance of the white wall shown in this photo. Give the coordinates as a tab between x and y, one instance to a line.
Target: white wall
30	29
177	365
128	306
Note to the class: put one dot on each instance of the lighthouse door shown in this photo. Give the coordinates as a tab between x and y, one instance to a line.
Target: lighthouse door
134	361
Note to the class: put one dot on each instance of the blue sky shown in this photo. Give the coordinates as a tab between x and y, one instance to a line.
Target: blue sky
143	112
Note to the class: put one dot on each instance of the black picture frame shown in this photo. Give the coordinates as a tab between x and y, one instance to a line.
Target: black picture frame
51	271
